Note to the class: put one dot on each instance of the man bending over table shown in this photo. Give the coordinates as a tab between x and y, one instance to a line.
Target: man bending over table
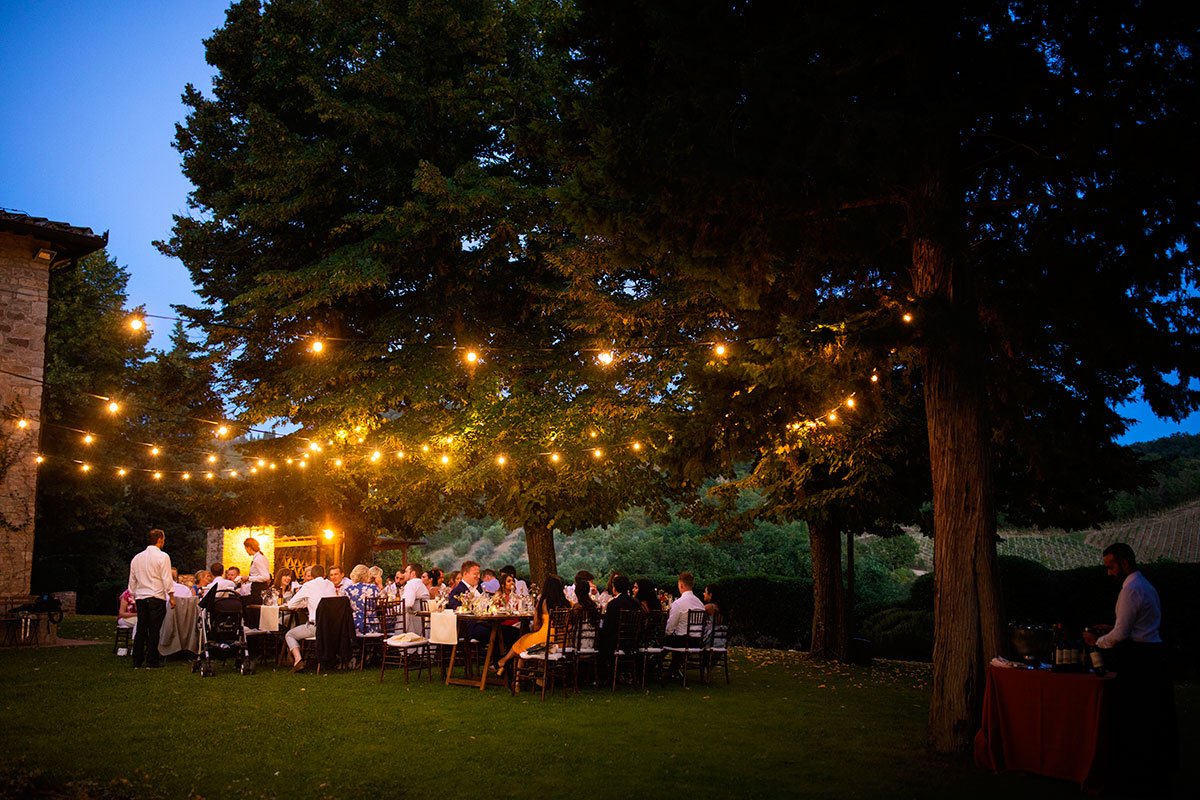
307	596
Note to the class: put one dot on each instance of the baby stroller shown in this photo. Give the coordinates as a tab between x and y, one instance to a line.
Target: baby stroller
222	634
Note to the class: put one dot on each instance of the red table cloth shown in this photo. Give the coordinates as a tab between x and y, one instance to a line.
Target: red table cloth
1046	723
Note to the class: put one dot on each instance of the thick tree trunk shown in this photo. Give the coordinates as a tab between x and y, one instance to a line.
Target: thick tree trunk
539	544
967	613
829	639
356	547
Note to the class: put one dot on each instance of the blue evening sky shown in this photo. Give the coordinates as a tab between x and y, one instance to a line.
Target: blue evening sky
90	97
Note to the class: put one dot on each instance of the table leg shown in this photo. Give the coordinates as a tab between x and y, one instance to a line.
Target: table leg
487	659
450	667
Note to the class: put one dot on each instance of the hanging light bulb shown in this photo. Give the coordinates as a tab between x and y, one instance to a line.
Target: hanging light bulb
832	417
337	462
88	439
445	459
113	407
85	467
850	402
253	470
212	459
637	445
317	346
158	476
22	423
606	357
208	475
472	356
424	448
315	447
262	463
554	457
598	453
39	459
719	349
187	476
272	465
221	431
153	451
121	471
303	464
907	317
874	379
136	323
500	460
376	455
400	454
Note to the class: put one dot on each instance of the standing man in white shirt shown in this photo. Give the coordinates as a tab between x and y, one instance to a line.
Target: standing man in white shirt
414	591
307	596
152	586
677	619
1145	728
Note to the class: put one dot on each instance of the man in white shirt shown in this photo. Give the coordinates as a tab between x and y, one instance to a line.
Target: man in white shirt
677	619
307	596
151	585
339	580
1145	728
414	591
219	582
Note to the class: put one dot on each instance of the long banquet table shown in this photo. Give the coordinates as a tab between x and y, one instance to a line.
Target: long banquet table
1047	723
495	621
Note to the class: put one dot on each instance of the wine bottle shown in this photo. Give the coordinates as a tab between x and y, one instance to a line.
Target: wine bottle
1097	659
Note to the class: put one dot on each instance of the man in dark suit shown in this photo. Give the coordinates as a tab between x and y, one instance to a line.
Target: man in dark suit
468	584
610	626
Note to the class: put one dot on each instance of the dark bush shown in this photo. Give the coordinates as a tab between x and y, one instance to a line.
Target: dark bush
902	633
767	610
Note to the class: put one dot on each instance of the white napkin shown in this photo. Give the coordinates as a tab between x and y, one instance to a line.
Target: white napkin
443	627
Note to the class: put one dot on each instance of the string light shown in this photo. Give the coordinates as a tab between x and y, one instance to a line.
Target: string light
212	459
113	407
85	467
500	460
158	476
598	453
39	459
208	475
262	463
253	470
637	446
400	454
121	472
907	317
606	357
832	417
136	323
719	349
472	356
317	346
424	448
316	448
221	431
445	459
374	456
850	402
303	464
272	465
187	476
554	457
88	439
592	434
22	423
153	451
233	473
337	462
874	379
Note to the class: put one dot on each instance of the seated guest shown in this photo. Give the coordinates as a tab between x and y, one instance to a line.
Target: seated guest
584	605
452	580
490	583
414	590
203	581
359	591
522	587
375	576
234	574
126	611
610	625
286	587
339	579
677	620
711	605
468	583
505	596
552	599
308	596
307	575
219	582
395	585
645	593
435	584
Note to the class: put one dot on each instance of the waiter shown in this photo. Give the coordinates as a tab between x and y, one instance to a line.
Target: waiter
152	586
1144	708
259	578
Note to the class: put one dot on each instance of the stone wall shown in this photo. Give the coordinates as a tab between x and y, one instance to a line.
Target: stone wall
24	290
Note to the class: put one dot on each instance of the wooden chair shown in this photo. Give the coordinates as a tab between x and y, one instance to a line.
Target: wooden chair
650	643
717	648
629	628
551	662
393	622
123	638
693	653
372	640
582	649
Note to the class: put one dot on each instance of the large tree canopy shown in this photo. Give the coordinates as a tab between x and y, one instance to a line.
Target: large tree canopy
1015	177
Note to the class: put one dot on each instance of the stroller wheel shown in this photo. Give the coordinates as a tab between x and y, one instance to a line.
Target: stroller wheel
196	665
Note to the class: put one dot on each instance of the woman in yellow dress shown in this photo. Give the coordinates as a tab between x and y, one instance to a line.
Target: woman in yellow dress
552	599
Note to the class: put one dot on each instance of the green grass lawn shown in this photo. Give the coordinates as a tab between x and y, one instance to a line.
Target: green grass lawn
78	722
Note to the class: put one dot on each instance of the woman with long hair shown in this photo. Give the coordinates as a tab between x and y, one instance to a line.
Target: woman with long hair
551	599
645	593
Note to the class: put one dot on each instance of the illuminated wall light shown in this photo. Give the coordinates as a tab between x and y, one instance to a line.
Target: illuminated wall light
136	323
22	423
606	357
113	407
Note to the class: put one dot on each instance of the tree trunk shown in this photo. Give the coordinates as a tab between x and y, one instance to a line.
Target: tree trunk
967	613
539	544
829	639
356	545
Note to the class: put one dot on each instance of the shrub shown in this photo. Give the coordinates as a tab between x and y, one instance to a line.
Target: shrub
766	610
903	633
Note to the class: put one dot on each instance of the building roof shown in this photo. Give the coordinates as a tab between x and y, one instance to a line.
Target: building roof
71	241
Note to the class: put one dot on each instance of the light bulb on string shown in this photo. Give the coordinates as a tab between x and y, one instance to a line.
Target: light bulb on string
874	379
316	448
907	317
445	459
39	459
153	451
592	434
136	323
85	467
850	402
337	462
605	357
121	471
303	464
233	473
317	346
158	476
221	431
272	465
554	457
187	476
598	453
212	459
832	417
719	349
22	423
637	445
400	454
374	456
424	448
113	407
500	460
208	475
262	463
472	356
254	470
88	438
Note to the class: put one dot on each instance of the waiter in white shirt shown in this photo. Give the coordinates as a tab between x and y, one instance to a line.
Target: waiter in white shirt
258	580
307	596
1145	728
151	585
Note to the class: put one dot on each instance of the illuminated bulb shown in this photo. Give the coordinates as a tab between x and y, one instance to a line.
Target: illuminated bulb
472	356
187	476
637	446
376	455
606	357
303	464
400	454
318	346
328	533
113	407
272	465
874	379
424	448
907	317
39	459
253	470
85	467
598	452
136	324
289	461
208	475
592	434
554	457
850	402
153	451
88	439
316	448
121	472
500	460
832	417
22	423
337	462
212	459
304	456
445	459
233	473
158	476
719	349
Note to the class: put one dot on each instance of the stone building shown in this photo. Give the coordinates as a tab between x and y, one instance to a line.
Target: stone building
31	248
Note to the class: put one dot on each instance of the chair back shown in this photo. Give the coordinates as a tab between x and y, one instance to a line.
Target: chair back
560	630
629	628
697	626
391	616
654	629
719	638
585	633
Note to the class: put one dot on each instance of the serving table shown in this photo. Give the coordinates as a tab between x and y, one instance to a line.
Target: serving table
1047	723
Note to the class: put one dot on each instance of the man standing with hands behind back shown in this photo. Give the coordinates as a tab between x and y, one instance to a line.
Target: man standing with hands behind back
152	586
